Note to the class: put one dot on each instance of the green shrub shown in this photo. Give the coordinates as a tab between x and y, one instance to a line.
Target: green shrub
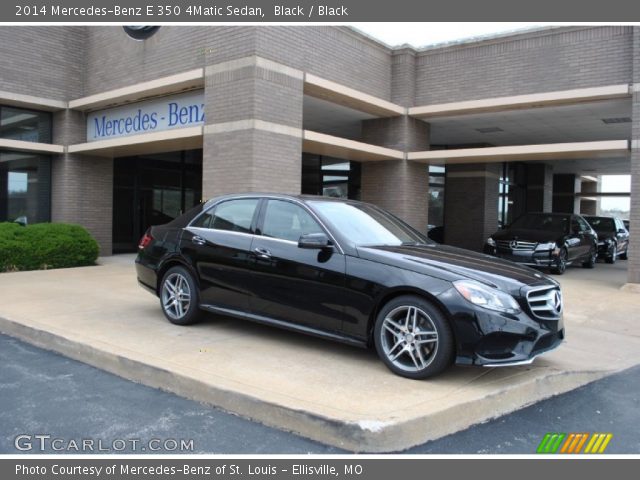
45	245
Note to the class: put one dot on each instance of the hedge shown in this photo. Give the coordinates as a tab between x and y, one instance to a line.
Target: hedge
44	246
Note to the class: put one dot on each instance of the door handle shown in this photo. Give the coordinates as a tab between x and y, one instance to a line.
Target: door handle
198	240
262	253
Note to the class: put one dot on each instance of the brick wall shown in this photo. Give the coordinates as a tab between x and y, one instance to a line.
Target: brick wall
548	60
43	61
634	216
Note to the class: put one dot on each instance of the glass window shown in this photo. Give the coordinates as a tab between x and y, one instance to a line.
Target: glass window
204	220
363	224
436	195
234	215
542	221
584	226
25	187
601	224
288	221
25	125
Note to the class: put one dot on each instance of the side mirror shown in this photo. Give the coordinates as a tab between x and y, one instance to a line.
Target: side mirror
622	230
21	221
316	241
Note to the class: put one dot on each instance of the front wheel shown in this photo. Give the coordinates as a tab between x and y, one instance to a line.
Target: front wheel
612	253
413	338
179	297
561	262
593	258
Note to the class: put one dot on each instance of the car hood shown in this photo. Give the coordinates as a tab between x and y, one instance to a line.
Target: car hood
450	263
537	236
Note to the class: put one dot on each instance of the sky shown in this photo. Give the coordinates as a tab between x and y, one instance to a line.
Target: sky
424	33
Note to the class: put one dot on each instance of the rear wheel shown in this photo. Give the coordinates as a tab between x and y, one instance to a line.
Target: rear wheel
593	258
561	262
179	297
413	338
612	253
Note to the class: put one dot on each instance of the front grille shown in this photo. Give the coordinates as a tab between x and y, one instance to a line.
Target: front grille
545	302
515	245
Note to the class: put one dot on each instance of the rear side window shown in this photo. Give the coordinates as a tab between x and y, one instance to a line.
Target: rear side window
288	221
233	216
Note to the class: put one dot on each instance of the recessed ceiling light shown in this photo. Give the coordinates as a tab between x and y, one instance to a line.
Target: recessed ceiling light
489	130
616	120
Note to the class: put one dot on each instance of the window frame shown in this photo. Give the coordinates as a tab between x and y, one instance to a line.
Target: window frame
263	212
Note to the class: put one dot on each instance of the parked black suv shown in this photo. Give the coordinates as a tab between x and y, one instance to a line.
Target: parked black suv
349	271
613	237
552	240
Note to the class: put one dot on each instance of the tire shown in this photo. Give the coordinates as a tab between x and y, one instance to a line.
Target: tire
612	254
625	255
187	310
396	340
593	258
561	262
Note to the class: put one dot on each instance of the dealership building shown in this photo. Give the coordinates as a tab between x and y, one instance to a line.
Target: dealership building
118	129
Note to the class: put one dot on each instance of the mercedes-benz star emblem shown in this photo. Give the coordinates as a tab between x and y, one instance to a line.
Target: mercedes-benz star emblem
513	244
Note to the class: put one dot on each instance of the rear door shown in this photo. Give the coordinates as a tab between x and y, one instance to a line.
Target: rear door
218	244
292	284
587	236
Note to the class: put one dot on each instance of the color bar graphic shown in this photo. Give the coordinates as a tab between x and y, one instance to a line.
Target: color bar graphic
573	443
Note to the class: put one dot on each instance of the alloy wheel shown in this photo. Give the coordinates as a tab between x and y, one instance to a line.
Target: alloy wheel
409	338
176	296
561	263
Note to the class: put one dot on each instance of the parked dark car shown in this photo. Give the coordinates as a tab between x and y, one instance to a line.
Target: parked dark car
349	271
613	237
551	240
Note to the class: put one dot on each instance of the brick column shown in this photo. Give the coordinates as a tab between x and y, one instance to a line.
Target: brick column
539	187
471	204
565	187
253	137
633	264
81	185
400	186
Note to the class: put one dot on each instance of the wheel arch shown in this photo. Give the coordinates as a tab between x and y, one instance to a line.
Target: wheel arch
171	262
400	292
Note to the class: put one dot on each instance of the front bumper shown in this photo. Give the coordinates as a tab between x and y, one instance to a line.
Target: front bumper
488	338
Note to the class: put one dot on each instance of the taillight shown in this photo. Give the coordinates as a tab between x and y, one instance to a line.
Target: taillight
145	241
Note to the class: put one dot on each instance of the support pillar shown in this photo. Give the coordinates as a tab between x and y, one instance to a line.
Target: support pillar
471	204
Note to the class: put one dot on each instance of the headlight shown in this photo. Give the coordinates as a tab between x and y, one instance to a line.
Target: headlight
486	297
546	246
491	242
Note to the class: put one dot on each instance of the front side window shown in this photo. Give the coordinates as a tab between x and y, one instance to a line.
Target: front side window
288	221
584	226
25	187
233	215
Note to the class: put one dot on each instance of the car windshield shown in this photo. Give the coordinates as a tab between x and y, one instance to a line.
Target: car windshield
550	223
601	224
363	224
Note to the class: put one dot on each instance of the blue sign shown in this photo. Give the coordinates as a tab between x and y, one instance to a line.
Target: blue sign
155	115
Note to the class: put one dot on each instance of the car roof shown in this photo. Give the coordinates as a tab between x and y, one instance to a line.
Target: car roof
284	196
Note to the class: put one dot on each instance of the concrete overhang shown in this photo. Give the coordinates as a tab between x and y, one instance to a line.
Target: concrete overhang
162	86
337	93
330	146
31	147
29	101
551	151
535	100
146	143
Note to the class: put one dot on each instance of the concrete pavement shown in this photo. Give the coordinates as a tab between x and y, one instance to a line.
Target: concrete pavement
329	392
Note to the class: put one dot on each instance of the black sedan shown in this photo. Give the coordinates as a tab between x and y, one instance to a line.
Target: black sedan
613	237
551	240
349	271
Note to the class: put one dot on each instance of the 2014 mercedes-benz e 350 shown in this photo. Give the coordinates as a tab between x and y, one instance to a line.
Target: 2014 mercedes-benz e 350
352	272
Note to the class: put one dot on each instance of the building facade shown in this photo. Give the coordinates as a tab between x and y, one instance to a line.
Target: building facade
118	133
